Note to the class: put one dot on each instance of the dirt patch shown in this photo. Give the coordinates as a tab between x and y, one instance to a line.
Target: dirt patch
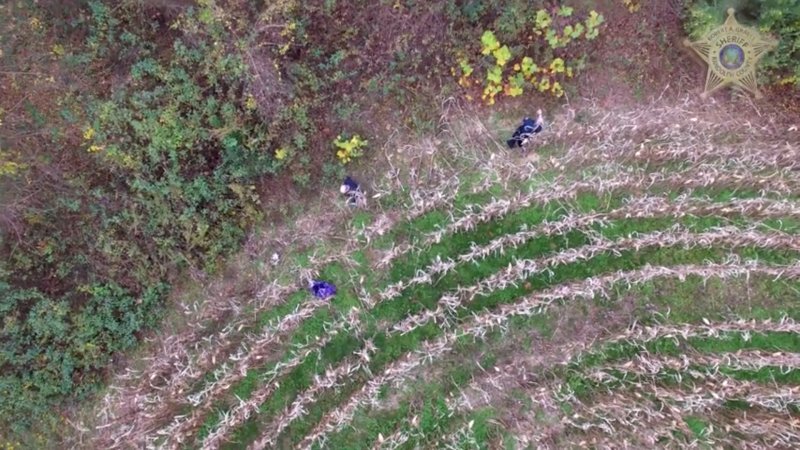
640	56
266	86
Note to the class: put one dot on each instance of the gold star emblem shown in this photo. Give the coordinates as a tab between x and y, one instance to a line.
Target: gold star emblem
732	52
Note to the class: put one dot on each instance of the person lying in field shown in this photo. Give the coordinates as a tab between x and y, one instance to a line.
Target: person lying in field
352	190
322	289
526	131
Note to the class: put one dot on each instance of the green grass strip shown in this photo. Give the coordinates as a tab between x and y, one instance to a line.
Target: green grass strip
391	347
585	387
726	342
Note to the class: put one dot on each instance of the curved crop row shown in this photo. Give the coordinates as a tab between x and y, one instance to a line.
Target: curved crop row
627	409
701	365
482	323
782	183
145	405
659	423
245	409
523	269
656	206
639	207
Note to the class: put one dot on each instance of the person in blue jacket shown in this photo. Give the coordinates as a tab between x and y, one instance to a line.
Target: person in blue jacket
526	131
352	190
322	289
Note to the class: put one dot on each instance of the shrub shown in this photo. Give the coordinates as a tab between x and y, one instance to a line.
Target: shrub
511	65
349	148
51	348
158	174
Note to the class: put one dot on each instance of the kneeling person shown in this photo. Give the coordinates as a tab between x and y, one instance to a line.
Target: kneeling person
352	190
526	131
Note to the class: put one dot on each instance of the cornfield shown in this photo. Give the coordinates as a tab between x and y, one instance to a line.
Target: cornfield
636	286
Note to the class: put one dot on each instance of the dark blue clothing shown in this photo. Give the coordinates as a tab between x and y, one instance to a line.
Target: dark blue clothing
323	289
352	191
525	131
351	184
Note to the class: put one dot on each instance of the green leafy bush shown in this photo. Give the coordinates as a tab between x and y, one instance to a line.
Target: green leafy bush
160	175
780	18
53	348
549	30
349	148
